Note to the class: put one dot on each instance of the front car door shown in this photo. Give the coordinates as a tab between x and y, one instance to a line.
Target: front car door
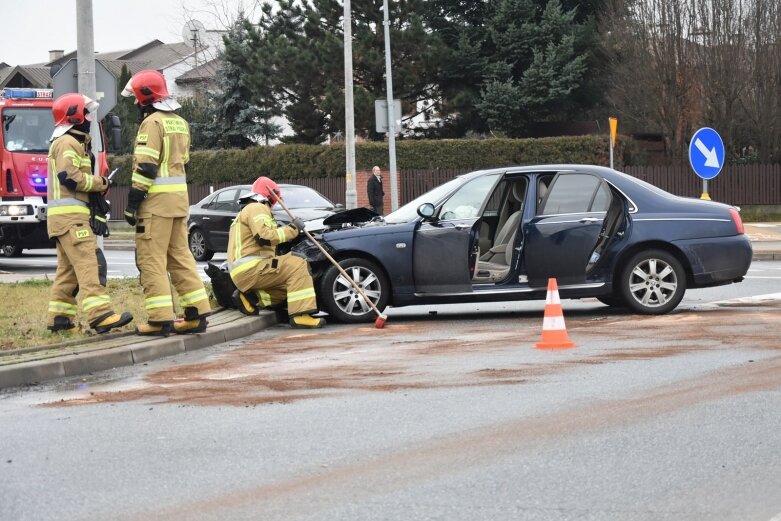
444	250
562	237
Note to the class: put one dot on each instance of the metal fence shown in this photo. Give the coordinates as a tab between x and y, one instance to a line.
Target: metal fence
736	184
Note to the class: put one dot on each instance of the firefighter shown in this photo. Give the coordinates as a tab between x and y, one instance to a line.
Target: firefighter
263	278
70	183
157	207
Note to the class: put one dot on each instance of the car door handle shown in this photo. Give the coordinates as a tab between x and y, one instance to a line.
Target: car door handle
463	226
588	220
206	218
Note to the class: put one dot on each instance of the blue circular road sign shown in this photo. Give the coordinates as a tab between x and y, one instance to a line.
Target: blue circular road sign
706	153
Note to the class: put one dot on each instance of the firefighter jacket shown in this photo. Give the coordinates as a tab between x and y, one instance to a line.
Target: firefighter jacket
254	235
162	149
69	180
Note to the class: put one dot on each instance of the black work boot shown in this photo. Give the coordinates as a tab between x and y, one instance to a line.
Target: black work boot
63	324
109	321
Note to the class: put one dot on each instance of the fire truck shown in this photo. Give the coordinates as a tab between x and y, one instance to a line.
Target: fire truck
27	126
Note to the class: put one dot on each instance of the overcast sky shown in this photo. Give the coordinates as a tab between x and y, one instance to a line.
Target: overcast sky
31	28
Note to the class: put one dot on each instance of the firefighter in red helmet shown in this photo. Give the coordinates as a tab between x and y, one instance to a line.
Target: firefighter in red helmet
157	207
69	185
263	278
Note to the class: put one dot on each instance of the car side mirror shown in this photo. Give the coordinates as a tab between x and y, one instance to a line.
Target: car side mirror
338	207
427	210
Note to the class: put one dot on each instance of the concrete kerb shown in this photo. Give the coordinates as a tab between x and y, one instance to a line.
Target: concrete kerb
127	349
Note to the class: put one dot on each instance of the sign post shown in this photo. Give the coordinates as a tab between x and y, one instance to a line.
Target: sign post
613	128
706	156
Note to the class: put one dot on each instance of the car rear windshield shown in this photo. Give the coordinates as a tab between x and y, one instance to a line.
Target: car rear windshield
303	197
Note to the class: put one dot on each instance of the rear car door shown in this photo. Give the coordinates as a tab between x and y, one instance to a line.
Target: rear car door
445	249
562	237
222	210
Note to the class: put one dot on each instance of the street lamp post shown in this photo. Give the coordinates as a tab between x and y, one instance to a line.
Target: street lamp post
391	115
351	195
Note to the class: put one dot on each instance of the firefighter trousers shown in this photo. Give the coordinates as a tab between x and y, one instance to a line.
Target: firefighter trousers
161	251
285	278
77	273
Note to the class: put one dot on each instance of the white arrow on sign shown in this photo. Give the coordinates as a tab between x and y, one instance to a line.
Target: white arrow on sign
711	159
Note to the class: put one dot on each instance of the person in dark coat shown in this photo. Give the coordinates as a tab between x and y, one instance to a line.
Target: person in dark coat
375	191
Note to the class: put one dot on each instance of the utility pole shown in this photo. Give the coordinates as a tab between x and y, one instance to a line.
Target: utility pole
85	56
351	195
391	116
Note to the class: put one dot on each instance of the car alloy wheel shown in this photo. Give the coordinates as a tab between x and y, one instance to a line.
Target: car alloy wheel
653	283
198	247
343	302
11	250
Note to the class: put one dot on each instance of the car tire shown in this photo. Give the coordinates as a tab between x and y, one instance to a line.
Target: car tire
11	250
653	282
614	301
343	302
197	244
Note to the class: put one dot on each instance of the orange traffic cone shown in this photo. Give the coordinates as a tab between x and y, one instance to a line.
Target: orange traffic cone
554	332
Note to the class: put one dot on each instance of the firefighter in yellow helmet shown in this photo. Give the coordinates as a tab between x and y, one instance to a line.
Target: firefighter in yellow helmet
263	278
70	183
157	206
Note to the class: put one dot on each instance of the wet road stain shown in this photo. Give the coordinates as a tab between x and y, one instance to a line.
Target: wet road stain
287	366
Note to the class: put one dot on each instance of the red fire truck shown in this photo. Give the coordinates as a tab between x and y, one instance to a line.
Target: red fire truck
27	126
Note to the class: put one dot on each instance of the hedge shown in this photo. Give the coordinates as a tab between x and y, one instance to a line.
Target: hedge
317	161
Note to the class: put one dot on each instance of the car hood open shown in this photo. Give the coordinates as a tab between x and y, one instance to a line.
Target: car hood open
354	216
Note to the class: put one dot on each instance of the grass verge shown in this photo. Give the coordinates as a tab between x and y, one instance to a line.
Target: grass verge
24	304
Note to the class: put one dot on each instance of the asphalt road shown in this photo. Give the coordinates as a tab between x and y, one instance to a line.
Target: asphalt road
451	416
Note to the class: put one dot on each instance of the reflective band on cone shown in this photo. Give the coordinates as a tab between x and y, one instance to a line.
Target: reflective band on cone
554	332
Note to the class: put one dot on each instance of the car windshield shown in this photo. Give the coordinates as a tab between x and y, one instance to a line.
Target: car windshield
27	129
409	211
303	197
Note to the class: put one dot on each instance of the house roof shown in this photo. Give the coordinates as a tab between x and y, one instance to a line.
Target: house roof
26	76
201	73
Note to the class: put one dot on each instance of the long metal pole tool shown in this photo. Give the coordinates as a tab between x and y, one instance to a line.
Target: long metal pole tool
379	323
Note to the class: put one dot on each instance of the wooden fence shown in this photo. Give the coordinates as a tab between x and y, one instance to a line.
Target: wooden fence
736	184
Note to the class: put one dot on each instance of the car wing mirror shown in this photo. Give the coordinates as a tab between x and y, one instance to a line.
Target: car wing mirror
427	211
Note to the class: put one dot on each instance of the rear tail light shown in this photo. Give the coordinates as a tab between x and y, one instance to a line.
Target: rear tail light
737	220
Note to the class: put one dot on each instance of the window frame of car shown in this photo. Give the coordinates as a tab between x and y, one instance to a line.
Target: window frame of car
555	188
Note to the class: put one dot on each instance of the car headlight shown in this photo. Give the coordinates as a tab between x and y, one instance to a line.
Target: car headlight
15	210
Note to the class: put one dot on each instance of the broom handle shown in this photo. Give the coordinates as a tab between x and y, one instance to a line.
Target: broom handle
333	261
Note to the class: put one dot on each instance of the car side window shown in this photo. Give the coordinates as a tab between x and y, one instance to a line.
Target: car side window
224	201
468	199
576	193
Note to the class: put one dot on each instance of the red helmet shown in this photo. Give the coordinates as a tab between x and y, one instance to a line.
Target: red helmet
72	109
267	189
147	86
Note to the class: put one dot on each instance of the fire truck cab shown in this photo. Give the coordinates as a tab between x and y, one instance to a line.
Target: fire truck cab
27	126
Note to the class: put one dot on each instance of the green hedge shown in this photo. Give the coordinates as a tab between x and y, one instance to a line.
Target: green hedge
316	161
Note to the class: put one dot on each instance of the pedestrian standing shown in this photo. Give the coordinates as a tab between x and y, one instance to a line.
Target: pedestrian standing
157	207
70	183
375	191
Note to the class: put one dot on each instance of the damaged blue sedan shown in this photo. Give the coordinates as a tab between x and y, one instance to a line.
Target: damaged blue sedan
498	235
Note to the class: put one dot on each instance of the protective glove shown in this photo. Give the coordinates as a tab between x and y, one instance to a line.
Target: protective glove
134	199
299	224
98	212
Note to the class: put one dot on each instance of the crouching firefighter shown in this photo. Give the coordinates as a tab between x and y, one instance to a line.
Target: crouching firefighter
157	206
81	266
264	279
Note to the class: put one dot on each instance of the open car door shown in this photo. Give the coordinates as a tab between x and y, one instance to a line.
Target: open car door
561	240
446	245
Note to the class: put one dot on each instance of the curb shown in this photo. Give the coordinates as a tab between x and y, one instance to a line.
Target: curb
124	349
